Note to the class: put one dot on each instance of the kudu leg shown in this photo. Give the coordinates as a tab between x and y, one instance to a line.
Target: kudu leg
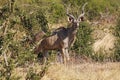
63	56
67	54
45	55
59	57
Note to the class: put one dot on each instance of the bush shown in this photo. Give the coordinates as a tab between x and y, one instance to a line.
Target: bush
57	11
43	23
84	40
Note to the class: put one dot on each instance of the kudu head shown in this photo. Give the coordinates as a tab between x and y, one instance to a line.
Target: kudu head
75	22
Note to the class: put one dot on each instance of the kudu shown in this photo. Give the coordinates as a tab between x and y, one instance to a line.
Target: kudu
62	38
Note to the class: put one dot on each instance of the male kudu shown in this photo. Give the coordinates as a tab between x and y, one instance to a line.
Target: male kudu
62	38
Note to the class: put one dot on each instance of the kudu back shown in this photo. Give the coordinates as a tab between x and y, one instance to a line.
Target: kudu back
62	38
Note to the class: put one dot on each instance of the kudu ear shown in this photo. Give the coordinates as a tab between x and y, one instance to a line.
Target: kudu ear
70	19
81	19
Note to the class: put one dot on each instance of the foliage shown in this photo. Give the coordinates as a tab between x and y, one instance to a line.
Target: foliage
84	40
94	7
43	23
33	20
57	11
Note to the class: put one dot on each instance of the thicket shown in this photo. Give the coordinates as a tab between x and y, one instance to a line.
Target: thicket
14	22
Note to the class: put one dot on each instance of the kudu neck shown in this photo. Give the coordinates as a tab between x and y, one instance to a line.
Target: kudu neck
73	29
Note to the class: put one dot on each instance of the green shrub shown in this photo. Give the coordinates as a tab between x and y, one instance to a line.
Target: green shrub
43	23
57	12
84	40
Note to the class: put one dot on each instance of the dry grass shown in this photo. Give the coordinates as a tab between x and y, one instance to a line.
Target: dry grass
105	45
103	35
83	71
